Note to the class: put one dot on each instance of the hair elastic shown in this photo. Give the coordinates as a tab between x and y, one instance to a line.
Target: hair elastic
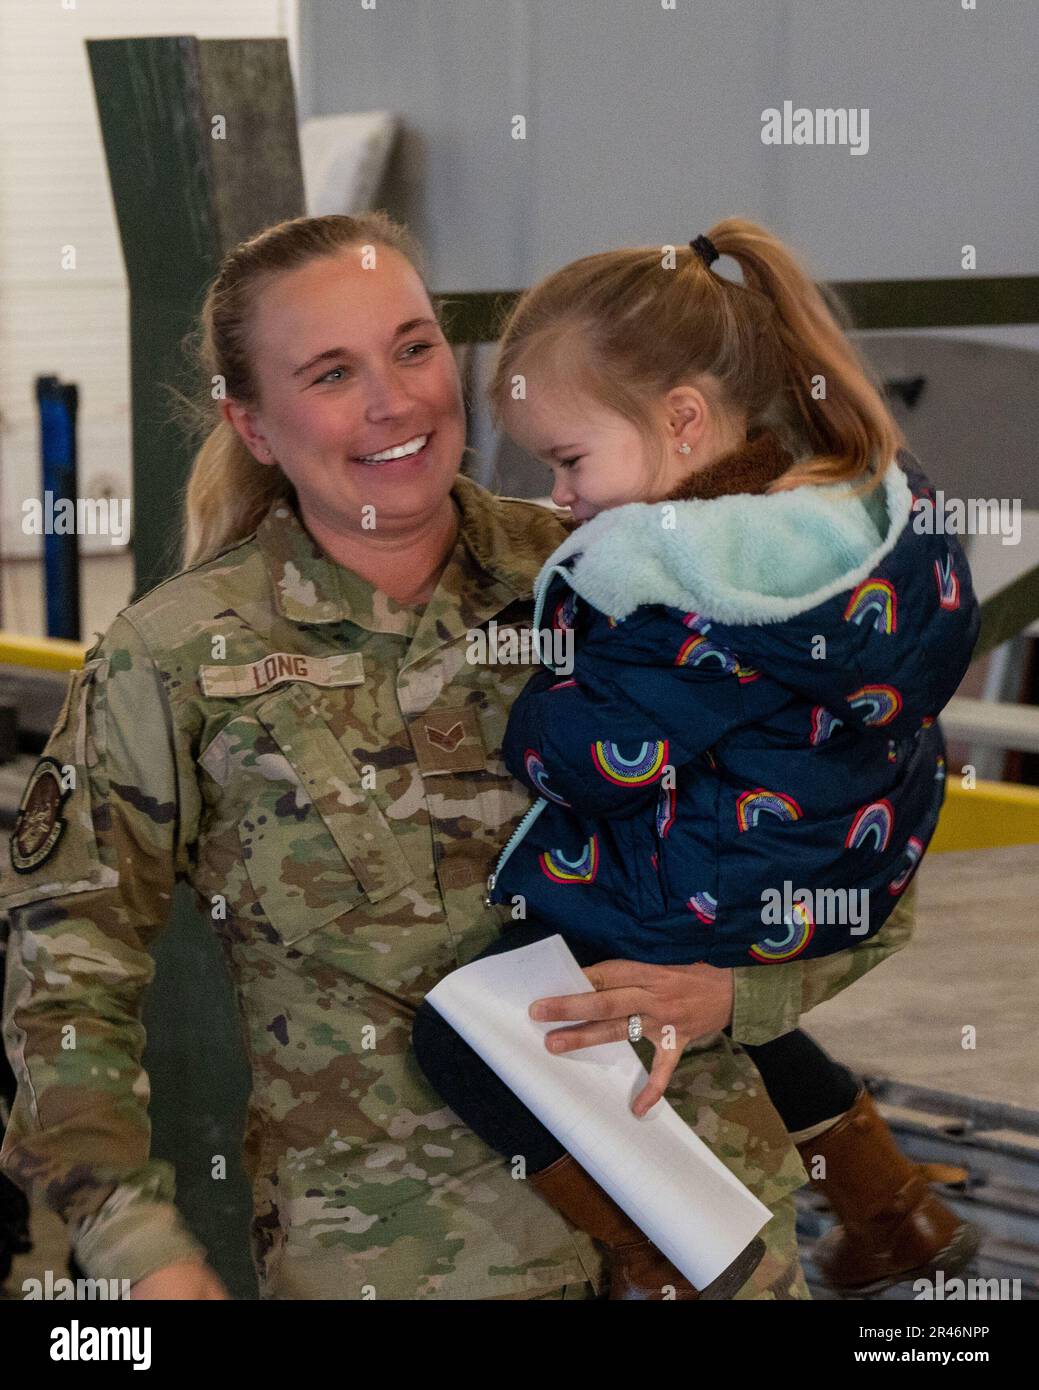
705	249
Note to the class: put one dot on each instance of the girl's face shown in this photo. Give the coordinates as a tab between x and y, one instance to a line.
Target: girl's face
598	458
350	364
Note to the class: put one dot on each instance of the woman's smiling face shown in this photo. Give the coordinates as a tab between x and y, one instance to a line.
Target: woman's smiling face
350	367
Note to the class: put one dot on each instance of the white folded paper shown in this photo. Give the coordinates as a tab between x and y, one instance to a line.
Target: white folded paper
666	1179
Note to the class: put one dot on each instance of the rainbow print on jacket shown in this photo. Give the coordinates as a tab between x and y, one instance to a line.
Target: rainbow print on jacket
537	774
750	806
914	853
823	725
948	584
694	621
556	866
800	929
666	810
705	905
646	766
873	600
697	651
882	703
872	822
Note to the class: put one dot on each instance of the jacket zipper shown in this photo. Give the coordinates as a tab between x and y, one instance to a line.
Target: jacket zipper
529	817
542	594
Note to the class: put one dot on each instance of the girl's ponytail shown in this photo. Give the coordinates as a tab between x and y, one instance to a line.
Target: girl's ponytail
830	388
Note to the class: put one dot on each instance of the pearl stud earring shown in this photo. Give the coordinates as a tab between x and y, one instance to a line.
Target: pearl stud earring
685	448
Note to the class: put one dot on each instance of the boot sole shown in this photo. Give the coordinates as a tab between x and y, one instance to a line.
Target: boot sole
732	1279
964	1245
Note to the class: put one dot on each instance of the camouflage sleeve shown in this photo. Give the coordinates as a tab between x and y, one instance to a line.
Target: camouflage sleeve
769	1000
102	830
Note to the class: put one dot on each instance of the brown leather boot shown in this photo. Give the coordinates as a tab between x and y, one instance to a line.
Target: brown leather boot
637	1269
892	1226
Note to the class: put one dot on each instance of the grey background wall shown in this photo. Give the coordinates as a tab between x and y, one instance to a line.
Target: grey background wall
643	125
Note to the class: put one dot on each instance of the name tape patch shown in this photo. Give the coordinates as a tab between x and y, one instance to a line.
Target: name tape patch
346	668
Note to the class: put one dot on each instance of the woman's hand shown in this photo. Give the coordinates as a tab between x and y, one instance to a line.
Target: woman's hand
677	1003
188	1279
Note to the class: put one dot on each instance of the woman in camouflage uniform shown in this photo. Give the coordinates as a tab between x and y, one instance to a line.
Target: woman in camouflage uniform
295	726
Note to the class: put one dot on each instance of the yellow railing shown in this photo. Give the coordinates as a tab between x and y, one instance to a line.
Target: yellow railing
42	653
988	816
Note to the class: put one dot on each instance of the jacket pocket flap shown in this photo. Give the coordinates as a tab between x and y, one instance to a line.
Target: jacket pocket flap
332	782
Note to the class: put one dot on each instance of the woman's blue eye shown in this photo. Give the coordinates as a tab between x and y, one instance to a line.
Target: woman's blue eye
413	349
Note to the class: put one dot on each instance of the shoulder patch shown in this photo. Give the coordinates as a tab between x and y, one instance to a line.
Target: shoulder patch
40	824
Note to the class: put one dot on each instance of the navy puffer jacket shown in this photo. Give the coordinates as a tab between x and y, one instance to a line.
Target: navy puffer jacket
745	764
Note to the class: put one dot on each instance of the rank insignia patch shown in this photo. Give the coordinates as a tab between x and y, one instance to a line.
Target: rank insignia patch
40	823
447	739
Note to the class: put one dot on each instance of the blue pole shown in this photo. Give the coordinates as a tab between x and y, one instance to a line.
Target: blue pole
58	405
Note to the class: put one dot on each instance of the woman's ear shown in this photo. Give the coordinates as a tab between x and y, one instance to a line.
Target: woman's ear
243	421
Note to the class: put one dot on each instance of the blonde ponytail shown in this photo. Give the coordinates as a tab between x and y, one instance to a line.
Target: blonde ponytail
227	495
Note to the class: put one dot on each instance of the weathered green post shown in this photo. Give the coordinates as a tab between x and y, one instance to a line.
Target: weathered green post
203	151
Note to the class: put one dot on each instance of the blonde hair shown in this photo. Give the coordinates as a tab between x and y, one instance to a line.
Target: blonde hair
624	330
228	492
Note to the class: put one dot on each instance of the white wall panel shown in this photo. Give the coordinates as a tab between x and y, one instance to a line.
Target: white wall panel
54	192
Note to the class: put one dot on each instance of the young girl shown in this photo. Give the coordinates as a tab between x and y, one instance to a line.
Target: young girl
744	766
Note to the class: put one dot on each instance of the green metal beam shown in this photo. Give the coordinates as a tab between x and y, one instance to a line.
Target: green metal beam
476	317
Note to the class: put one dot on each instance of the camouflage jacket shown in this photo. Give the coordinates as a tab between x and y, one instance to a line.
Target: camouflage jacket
323	766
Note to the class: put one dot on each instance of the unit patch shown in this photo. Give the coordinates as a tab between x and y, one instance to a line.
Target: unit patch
40	823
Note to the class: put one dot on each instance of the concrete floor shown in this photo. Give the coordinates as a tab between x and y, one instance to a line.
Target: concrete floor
973	961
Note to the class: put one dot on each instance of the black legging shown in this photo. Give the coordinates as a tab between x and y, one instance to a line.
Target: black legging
804	1084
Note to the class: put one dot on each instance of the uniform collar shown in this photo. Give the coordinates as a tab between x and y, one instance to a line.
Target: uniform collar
485	571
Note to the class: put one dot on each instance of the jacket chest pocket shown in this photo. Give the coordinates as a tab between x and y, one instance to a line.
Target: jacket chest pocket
313	841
